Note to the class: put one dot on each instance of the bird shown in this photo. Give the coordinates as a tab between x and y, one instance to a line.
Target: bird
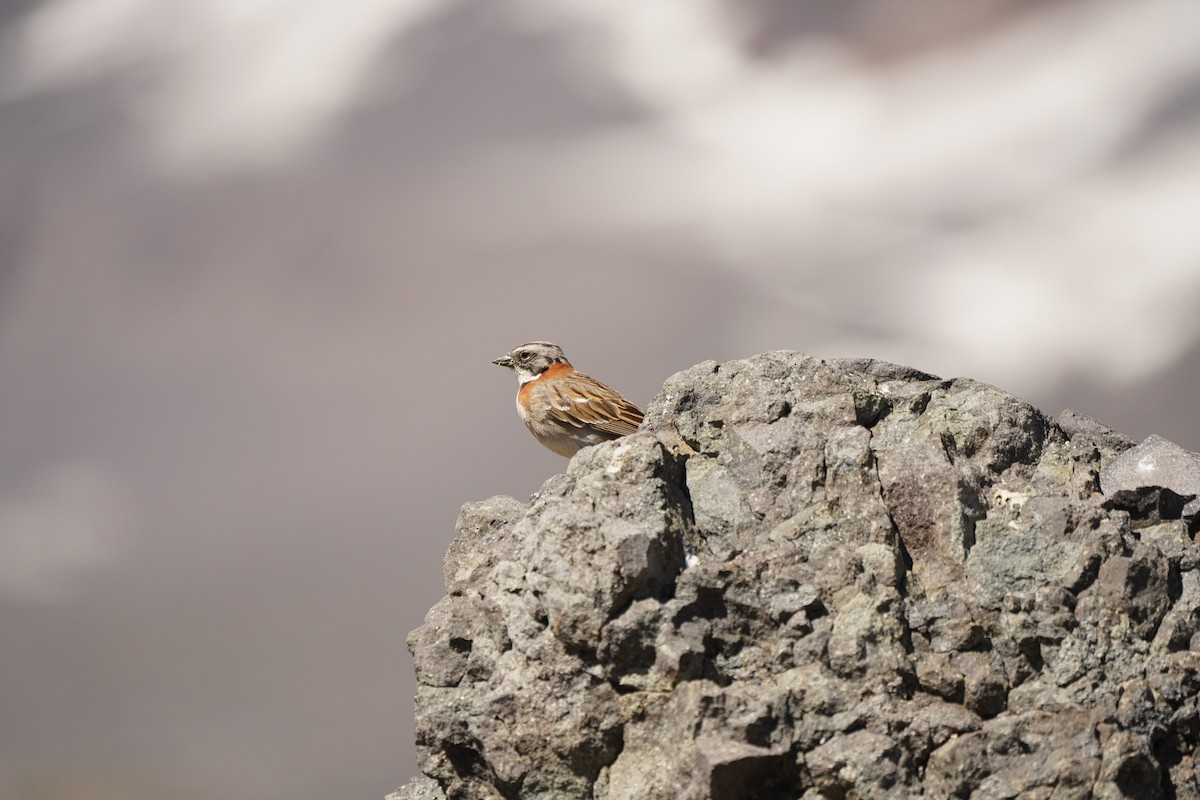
564	409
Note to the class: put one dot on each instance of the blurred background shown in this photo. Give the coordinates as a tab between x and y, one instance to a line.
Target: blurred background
256	256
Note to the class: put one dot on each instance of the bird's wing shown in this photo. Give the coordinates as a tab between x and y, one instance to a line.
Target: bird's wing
582	401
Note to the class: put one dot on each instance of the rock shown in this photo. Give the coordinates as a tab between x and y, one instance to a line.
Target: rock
1091	433
418	789
820	579
1156	480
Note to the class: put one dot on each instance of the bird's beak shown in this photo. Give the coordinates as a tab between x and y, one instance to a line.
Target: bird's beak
503	361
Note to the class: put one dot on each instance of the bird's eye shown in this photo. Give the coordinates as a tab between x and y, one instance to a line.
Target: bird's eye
525	357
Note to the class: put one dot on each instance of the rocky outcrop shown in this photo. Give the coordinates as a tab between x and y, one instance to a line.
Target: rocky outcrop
819	579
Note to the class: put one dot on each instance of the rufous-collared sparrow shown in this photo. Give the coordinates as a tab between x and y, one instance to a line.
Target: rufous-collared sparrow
564	409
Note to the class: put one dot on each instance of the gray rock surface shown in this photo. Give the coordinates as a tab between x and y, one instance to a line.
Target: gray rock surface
418	789
1156	474
817	579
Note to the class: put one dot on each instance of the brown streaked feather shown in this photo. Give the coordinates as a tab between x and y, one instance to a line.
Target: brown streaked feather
580	401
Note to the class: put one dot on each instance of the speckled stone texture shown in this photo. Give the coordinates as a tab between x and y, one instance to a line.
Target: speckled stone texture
818	579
